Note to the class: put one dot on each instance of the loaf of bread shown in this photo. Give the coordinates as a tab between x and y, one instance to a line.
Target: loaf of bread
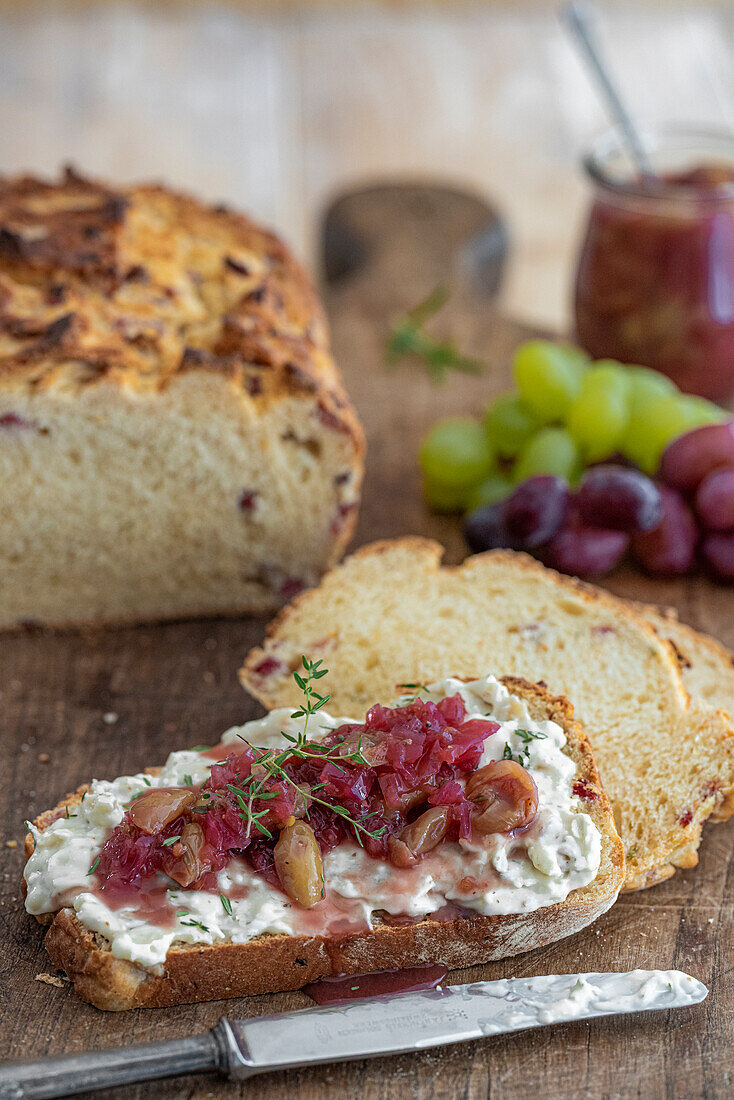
174	435
391	614
271	962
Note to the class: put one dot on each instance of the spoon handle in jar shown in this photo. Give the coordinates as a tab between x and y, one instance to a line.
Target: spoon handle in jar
576	18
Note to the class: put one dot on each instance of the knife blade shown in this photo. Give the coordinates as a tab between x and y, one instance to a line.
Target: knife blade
394	1024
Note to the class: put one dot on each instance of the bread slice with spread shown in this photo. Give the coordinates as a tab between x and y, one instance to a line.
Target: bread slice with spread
175	438
466	823
390	613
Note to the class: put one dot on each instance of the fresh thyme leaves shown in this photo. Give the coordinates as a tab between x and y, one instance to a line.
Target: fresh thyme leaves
226	904
407	337
340	811
526	736
146	781
200	748
313	701
67	814
270	764
194	924
523	756
94	866
411	693
188	781
171	841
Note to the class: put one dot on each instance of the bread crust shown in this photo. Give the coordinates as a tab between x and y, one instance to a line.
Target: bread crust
272	963
78	258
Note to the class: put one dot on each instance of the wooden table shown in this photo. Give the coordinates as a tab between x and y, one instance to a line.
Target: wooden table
111	702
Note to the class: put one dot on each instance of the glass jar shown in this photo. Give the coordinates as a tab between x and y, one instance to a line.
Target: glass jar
655	280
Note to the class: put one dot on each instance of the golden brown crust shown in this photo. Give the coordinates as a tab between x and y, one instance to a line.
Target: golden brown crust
272	963
141	285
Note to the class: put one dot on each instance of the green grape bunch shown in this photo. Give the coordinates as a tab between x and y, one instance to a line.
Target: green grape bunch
565	414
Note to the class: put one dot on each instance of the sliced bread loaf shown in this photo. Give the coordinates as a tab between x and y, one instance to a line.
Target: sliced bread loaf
175	439
390	614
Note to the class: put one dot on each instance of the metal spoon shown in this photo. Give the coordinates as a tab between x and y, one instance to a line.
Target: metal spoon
576	18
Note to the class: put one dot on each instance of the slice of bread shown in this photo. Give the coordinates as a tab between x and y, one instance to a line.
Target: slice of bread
275	962
175	439
391	614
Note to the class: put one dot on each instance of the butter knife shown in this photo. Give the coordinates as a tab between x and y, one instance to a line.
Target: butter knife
393	1024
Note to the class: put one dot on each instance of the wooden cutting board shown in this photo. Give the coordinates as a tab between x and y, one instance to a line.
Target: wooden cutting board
112	702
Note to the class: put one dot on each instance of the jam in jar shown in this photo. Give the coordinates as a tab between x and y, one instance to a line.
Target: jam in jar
655	282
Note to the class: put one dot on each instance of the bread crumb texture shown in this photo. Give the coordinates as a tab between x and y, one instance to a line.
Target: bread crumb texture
391	614
174	435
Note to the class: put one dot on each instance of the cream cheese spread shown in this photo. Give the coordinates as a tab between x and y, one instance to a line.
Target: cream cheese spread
560	852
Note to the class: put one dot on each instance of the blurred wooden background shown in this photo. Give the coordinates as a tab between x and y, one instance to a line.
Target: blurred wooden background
278	110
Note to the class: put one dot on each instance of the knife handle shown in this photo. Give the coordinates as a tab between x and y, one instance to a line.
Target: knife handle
119	1066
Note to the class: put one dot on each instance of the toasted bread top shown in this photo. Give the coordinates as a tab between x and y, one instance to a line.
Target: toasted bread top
138	285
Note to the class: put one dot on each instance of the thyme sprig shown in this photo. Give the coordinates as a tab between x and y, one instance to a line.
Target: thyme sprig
523	756
271	764
411	692
407	337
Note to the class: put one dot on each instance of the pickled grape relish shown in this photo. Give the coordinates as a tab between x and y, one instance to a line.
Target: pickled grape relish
655	281
375	781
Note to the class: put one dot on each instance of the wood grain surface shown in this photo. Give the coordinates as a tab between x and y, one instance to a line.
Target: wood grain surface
107	703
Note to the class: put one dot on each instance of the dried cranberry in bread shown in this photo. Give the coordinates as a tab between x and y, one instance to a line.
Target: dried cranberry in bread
390	613
278	961
175	439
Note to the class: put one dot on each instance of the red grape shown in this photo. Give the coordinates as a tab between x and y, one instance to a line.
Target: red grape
718	550
535	511
484	529
715	500
586	551
620	499
670	549
688	459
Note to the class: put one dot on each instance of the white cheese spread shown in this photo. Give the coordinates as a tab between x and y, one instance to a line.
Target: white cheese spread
560	852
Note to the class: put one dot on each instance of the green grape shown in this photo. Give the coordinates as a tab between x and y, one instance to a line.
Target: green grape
598	417
646	385
576	355
509	423
652	427
608	373
492	490
548	378
445	498
698	412
551	451
456	452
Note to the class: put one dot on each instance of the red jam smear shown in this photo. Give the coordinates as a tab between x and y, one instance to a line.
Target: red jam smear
150	902
423	746
655	281
336	991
